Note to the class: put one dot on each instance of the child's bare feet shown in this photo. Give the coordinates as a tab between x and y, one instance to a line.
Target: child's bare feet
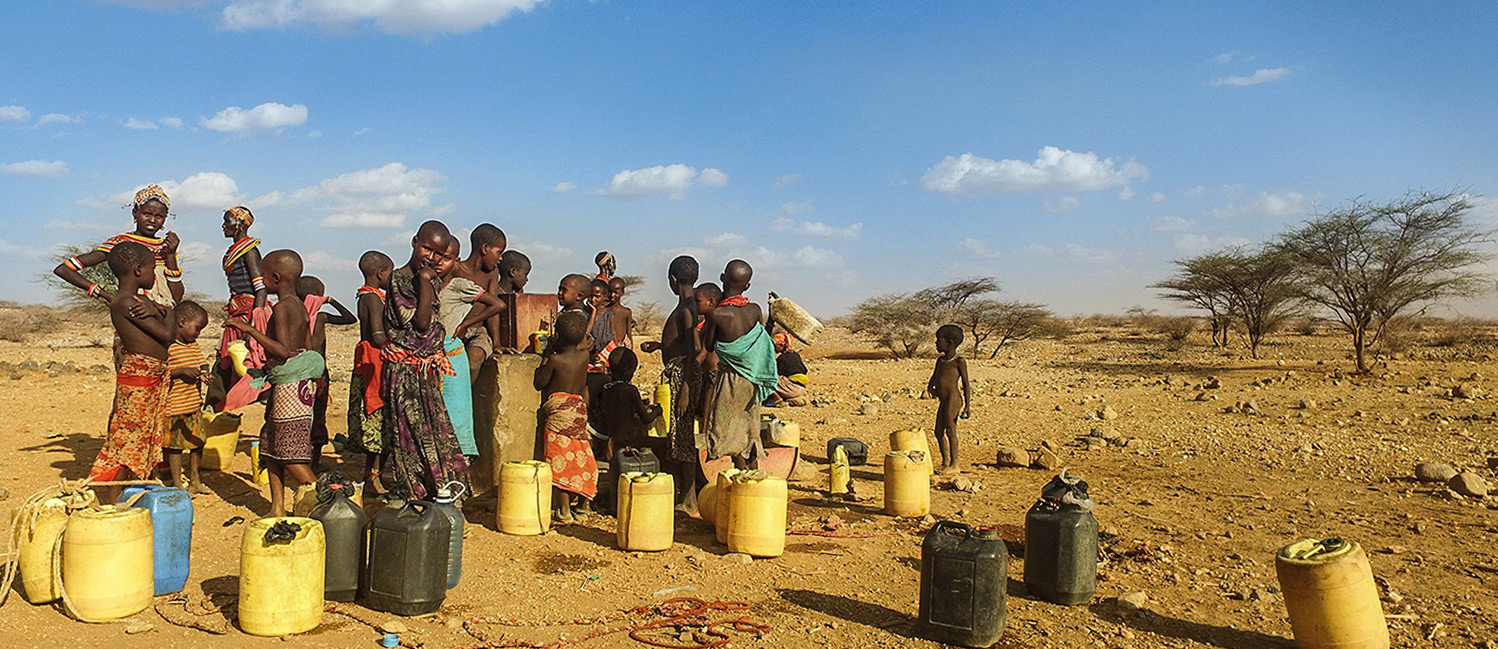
950	469
561	516
197	487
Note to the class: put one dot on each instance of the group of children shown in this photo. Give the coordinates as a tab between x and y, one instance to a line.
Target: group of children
425	329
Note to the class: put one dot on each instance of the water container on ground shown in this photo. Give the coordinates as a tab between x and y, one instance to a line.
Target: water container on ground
858	452
646	512
1330	595
757	512
447	496
407	569
964	574
281	571
343	530
907	484
107	562
171	528
37	548
1061	543
524	498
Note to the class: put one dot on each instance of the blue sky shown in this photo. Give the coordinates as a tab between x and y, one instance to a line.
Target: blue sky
1069	149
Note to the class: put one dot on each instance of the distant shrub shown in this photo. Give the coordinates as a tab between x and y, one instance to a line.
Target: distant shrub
1175	328
18	323
1459	332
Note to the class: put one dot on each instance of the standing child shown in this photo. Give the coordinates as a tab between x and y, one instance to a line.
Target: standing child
462	305
137	428
311	290
679	345
424	451
514	272
746	371
707	296
951	404
562	379
366	416
481	268
247	294
623	412
291	368
189	369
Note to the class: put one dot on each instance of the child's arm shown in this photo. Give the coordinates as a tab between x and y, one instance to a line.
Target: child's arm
372	311
931	384
73	276
169	257
425	295
188	374
343	317
486	305
491	323
966	393
278	318
646	414
252	262
152	320
543	374
705	342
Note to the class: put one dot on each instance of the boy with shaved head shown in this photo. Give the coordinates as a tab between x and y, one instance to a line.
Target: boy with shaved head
481	268
746	370
679	346
424	450
291	368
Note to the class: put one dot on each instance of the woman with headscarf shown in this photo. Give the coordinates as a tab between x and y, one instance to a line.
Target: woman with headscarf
606	266
792	379
150	210
247	292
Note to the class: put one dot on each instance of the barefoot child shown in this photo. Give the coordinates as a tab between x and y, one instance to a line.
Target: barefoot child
462	305
366	416
482	268
679	345
746	371
291	368
943	386
424	451
310	289
562	380
189	369
622	411
247	294
137	427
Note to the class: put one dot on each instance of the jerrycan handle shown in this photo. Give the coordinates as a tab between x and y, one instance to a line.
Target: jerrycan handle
954	528
630	451
421	507
451	493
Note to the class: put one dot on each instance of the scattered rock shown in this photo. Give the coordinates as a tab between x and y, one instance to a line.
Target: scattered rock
1044	458
1307	404
1465	391
1212	383
868	410
927	521
138	627
1013	457
1107	413
393	626
1094	443
1469	484
962	483
1202	396
453	623
1434	472
1134	601
28	365
738	558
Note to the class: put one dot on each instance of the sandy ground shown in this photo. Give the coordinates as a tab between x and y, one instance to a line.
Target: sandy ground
1193	500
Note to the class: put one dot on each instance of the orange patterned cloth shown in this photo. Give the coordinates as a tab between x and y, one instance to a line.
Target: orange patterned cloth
573	467
137	425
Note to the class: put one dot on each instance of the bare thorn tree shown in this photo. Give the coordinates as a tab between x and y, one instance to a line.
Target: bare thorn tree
1367	263
1002	321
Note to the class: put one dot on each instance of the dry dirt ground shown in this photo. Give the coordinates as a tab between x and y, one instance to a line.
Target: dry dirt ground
1193	500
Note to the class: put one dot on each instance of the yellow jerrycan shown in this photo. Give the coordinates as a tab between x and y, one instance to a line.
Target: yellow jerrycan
1330	595
840	474
525	498
36	528
108	561
661	427
720	503
909	440
220	437
281	570
237	352
260	473
707	505
907	484
646	511
756	519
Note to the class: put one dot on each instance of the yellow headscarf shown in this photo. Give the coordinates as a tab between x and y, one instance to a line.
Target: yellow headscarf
241	214
152	192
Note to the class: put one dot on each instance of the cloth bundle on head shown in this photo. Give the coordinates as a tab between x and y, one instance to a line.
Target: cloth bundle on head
782	342
606	265
152	193
241	214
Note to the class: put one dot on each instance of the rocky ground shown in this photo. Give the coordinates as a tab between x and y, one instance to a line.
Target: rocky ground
1202	463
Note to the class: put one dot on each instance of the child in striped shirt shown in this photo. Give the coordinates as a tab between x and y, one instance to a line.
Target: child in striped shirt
187	369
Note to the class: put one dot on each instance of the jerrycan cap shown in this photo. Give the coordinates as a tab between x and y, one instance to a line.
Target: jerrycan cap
1314	551
446	494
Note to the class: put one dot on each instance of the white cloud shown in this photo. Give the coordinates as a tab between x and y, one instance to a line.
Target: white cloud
1194	191
363	131
266	117
322	261
383	197
405	17
1088	255
17	250
813	257
1265	75
14	114
172	122
1055	170
785	180
1172	224
192	251
563	187
314	134
539	252
671	180
1225	57
815	228
1268	204
792	208
35	169
1063	204
1037	250
1126	194
1157	197
54	118
977	248
726	240
80	226
208	191
712	177
1192	244
138	124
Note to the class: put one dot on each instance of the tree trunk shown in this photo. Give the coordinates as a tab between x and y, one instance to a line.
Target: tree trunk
1357	346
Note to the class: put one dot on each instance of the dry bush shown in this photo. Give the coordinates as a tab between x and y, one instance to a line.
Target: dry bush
1400	334
1175	327
1459	331
1306	326
648	318
17	323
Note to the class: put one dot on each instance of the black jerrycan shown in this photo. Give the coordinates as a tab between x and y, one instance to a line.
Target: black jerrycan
407	571
632	460
964	574
1061	543
343	525
858	452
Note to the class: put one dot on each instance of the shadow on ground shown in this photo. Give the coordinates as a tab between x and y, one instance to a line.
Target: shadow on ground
1217	636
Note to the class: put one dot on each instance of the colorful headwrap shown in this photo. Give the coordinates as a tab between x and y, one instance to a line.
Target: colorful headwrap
782	342
606	265
241	214
152	193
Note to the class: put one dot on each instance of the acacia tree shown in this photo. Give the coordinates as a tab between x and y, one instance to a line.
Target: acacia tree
1197	283
1004	321
1262	292
1367	263
899	322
